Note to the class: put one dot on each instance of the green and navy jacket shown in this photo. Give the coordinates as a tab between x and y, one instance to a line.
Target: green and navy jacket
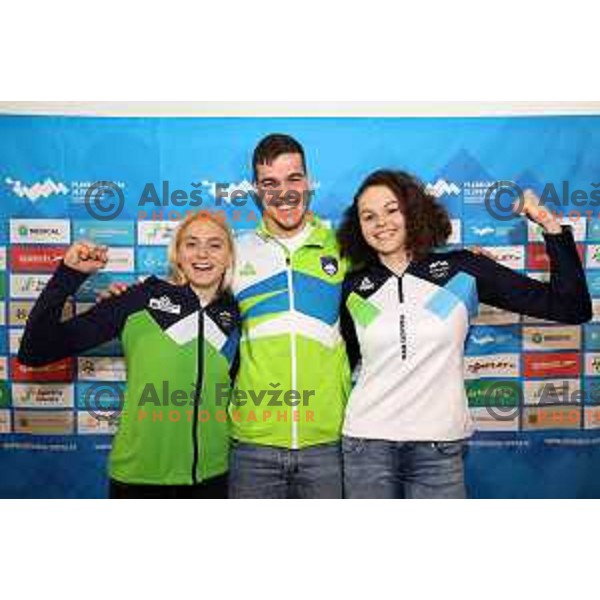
170	342
294	375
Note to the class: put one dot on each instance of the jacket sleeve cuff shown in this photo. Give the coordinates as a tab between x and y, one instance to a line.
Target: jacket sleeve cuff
564	237
69	279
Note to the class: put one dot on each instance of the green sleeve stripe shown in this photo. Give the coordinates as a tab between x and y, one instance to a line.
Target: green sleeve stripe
363	311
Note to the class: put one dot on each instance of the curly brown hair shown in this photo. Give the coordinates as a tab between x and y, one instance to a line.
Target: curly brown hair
427	222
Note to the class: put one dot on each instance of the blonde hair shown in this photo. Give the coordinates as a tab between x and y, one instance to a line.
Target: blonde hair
176	275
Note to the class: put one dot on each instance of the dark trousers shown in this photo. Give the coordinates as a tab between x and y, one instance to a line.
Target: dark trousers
215	488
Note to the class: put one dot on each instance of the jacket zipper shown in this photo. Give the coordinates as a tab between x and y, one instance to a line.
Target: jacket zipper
290	280
197	395
288	262
403	336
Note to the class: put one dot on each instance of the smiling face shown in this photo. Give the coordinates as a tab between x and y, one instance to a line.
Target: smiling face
284	189
204	254
382	222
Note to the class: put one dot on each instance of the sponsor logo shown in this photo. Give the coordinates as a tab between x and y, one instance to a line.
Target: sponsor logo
152	260
592	364
552	364
594	231
42	395
596	309
493	392
114	233
592	336
552	417
476	191
592	390
101	396
443	188
164	304
5	395
120	260
101	368
228	192
32	260
156	233
493	340
18	313
85	192
90	424
484	340
5	421
593	280
552	391
40	231
61	371
593	257
551	338
43	422
14	340
498	365
591	416
27	286
478	232
38	190
483	420
483	231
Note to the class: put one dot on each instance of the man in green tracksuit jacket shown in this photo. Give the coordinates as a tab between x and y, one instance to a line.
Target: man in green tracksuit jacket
294	377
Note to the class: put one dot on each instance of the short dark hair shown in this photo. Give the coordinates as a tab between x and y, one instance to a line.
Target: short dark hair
272	147
428	225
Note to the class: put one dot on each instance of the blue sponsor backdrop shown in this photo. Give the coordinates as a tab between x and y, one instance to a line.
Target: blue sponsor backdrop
48	163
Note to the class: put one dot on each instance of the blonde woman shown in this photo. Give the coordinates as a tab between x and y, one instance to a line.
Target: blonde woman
180	341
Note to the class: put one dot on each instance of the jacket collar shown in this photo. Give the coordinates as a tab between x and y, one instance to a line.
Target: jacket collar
318	236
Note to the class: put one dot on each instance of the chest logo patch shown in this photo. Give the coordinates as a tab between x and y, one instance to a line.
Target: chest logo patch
164	304
366	285
226	319
330	265
248	270
439	269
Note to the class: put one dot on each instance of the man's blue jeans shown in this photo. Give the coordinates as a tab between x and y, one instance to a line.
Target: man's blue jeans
376	469
268	472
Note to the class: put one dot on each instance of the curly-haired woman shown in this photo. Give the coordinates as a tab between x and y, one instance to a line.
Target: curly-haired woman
406	313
